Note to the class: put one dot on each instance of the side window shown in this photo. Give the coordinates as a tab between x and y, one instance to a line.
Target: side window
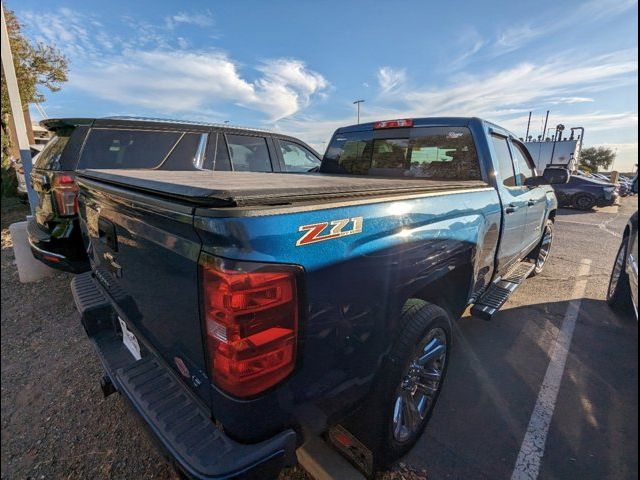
121	148
49	157
249	154
297	158
223	162
523	167
184	155
503	158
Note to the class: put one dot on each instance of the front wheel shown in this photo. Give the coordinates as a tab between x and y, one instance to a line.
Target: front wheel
541	253
584	201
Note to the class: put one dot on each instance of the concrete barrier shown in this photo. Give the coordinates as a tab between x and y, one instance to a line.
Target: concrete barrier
29	269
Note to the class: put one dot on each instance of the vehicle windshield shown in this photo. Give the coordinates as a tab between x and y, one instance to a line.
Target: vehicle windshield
420	152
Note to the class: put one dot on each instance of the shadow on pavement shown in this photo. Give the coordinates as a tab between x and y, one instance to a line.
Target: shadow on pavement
494	378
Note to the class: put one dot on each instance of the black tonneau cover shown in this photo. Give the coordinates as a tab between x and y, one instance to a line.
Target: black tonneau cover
240	189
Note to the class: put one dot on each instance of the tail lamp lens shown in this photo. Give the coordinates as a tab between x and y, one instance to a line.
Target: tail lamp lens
251	320
65	193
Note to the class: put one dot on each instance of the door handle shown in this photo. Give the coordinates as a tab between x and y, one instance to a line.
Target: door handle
511	208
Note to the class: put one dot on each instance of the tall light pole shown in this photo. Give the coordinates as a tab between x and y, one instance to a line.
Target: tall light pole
358	102
16	112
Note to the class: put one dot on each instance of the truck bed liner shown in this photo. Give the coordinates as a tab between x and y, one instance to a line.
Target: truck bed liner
239	189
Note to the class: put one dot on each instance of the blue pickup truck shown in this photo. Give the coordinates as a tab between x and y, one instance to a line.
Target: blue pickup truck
243	313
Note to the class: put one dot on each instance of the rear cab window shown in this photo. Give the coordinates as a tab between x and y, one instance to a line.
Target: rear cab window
446	153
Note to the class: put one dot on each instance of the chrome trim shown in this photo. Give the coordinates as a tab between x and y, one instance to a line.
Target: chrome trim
166	157
198	159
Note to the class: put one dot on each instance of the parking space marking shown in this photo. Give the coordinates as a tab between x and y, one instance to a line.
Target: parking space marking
532	449
602	225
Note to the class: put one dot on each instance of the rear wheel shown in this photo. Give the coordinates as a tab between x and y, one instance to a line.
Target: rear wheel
619	291
584	201
408	386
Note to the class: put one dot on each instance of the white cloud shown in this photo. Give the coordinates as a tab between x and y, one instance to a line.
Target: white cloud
516	36
522	85
177	81
570	100
152	67
184	18
505	96
390	79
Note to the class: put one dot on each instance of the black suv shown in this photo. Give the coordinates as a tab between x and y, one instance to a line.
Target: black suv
125	142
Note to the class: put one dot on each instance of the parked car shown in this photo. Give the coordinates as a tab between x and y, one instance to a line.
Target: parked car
585	193
240	313
139	143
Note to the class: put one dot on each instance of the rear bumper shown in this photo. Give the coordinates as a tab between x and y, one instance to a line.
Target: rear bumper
180	424
61	254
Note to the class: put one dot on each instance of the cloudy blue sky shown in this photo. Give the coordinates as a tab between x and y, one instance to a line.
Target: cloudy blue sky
297	66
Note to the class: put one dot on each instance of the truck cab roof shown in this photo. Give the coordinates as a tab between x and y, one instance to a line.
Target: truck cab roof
429	122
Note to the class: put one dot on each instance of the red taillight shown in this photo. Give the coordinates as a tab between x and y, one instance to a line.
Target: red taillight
251	321
65	193
407	122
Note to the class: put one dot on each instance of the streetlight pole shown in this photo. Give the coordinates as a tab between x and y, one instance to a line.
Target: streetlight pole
358	102
16	112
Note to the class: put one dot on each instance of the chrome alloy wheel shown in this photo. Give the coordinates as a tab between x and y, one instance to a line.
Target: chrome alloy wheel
419	385
545	247
618	267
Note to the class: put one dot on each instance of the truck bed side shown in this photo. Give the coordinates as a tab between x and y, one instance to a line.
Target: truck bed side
437	247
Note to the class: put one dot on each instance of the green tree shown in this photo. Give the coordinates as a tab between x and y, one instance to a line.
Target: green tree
37	65
597	157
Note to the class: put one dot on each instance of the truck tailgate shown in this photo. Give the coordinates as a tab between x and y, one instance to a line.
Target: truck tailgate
145	255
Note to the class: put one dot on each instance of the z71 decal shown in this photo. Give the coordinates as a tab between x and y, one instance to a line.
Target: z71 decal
337	228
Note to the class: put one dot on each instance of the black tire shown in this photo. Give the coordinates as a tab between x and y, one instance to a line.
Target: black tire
374	424
583	201
619	289
540	254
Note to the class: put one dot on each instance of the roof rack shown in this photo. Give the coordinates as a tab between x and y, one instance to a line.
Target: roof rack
186	122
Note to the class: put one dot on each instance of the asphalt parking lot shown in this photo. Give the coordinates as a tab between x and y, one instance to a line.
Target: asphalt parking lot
497	370
490	416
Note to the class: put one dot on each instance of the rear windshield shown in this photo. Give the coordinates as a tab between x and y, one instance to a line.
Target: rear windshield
49	157
420	152
113	149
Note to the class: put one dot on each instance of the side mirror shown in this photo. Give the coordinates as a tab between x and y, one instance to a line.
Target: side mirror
634	185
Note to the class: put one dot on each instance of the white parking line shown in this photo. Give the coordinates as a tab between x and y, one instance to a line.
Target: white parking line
532	448
602	225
